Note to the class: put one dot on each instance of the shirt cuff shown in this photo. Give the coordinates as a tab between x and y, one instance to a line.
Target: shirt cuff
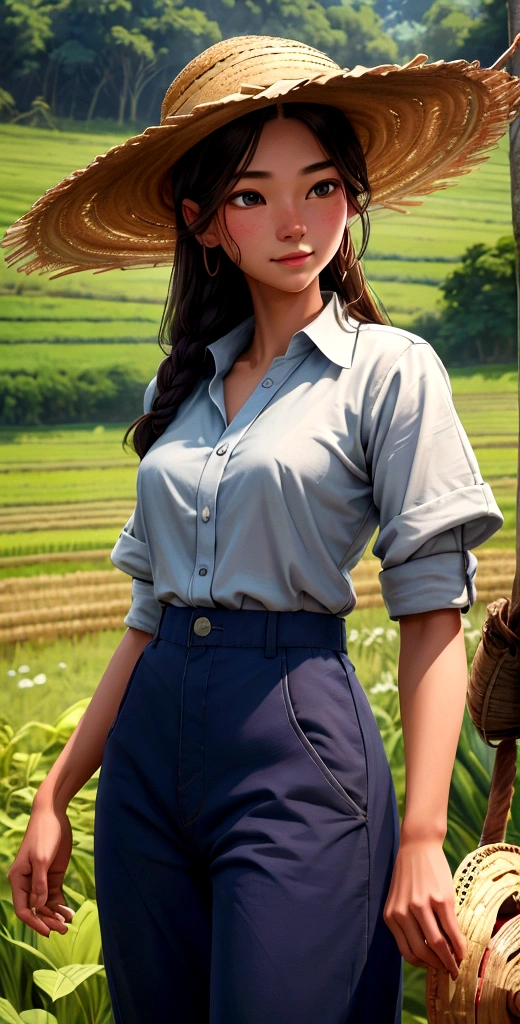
472	507
131	556
443	580
145	610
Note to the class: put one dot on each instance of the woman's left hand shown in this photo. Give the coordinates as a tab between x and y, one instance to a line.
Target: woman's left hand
421	906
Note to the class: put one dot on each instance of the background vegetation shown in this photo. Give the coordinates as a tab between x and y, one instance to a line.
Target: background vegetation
76	77
87	59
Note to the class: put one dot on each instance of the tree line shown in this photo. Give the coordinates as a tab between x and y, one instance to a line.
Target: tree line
114	59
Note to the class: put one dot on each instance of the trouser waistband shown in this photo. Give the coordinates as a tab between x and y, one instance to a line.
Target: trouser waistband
226	627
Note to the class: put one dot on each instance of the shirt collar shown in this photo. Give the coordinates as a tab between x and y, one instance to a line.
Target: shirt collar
332	331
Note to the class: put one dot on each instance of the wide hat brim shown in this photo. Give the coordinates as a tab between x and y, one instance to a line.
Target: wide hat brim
420	125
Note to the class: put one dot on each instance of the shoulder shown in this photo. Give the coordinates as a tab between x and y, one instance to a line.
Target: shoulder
387	351
150	394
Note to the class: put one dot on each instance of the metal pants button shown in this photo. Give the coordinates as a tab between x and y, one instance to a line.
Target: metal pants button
202	626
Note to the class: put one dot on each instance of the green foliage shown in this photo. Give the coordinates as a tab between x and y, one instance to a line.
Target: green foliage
117	57
477	321
63	975
407	258
447	29
66	396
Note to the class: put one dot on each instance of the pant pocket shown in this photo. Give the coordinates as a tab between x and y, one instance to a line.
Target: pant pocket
126	692
321	710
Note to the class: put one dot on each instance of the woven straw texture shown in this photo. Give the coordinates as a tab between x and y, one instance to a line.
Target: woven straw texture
421	125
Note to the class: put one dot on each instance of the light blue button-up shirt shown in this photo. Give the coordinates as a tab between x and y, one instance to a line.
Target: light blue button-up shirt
352	429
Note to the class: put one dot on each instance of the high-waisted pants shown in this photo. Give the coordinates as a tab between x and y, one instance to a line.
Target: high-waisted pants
246	829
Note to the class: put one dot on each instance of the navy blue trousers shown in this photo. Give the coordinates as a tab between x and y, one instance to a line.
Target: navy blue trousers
246	829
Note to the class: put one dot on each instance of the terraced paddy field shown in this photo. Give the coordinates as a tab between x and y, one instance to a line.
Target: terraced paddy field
66	493
408	256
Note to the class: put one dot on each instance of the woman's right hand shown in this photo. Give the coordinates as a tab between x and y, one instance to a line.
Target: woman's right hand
36	874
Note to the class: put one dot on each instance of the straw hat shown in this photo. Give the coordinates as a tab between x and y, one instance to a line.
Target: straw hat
419	125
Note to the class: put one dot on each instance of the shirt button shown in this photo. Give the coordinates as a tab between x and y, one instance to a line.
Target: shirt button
203	571
267	383
205	514
223	449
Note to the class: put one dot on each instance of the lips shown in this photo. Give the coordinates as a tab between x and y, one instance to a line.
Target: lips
293	259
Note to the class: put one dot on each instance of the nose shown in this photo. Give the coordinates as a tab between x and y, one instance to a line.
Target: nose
290	226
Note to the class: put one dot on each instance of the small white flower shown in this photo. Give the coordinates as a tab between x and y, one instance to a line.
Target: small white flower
466	623
22	683
40	678
24	668
62	664
11	672
353	635
383	687
391	634
378	631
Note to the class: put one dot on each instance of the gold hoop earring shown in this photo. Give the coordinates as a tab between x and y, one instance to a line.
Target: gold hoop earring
345	257
215	272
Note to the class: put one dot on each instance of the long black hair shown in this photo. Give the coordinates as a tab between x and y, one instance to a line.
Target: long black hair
199	308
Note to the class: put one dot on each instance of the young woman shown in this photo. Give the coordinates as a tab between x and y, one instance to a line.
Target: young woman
250	865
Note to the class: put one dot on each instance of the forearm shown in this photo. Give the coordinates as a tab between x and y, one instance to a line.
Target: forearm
432	681
83	752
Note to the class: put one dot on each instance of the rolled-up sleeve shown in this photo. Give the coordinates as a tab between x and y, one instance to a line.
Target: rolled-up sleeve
433	503
130	554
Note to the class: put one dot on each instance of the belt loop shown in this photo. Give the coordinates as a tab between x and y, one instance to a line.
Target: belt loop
189	638
157	634
270	635
343	629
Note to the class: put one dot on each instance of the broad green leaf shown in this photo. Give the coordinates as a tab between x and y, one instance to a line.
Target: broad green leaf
18	824
71	716
38	1017
8	1014
78	897
81	944
65	980
4	934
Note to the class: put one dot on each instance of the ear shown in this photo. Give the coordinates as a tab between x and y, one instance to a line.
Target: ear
190	211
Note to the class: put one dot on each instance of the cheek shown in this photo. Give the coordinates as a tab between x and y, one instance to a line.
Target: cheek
331	217
245	230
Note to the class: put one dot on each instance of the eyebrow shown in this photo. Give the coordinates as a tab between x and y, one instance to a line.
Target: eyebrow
305	170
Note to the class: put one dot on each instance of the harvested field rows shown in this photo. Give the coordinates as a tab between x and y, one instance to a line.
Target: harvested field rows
46	607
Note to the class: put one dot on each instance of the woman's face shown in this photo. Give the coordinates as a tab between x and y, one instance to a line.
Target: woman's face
291	199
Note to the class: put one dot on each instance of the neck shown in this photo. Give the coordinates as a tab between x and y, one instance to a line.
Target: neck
279	315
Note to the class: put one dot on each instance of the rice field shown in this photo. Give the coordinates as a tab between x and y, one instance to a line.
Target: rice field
67	491
46	607
407	257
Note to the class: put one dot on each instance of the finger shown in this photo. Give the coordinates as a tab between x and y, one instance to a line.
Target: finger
20	883
415	938
39	886
68	909
437	941
450	926
53	919
404	946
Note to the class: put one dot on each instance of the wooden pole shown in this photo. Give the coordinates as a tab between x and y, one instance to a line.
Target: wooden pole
514	161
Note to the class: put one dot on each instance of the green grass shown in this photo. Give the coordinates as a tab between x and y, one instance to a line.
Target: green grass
63	444
41	542
43	487
143	357
86	658
407	255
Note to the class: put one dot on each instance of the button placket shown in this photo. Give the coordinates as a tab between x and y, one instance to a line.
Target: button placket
201	583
